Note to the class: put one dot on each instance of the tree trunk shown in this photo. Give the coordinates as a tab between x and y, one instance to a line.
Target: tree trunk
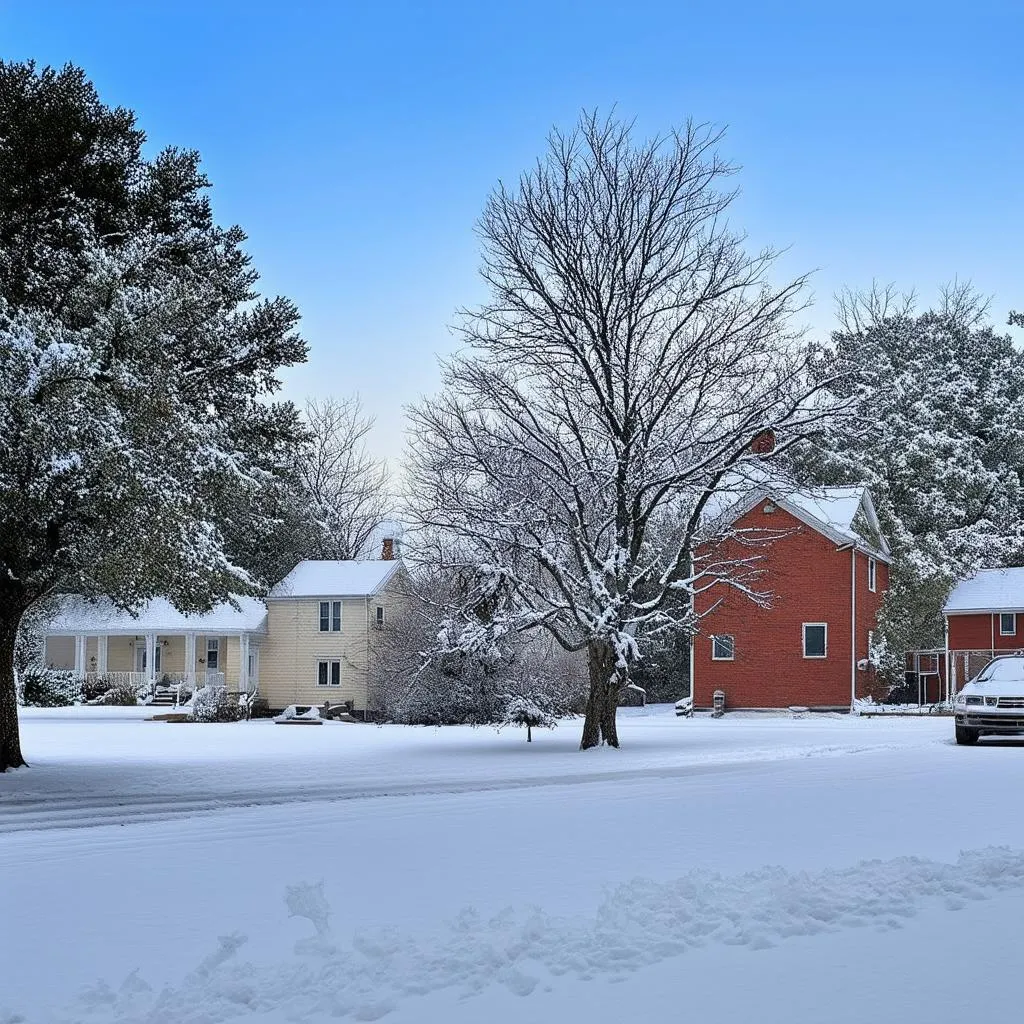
599	724
529	733
10	741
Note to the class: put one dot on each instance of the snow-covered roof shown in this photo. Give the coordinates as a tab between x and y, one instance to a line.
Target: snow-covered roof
989	590
76	615
832	511
335	579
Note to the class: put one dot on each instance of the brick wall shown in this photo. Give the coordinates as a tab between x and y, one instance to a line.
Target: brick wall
809	581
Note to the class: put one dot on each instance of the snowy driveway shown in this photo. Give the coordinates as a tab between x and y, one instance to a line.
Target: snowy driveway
743	869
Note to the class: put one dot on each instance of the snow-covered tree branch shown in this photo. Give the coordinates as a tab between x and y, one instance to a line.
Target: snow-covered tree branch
347	489
630	352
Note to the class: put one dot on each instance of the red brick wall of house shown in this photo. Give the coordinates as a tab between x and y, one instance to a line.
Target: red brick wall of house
981	633
809	581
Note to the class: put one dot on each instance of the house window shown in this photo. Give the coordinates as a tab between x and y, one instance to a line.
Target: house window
1008	624
330	616
723	648
380	617
872	574
213	653
328	673
815	639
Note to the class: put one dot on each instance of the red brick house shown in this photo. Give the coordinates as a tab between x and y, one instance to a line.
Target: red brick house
824	573
984	618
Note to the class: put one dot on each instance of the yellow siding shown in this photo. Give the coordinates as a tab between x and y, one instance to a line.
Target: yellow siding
294	644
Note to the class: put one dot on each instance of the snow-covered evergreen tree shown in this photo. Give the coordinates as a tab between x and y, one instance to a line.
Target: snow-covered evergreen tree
527	711
629	354
136	359
939	437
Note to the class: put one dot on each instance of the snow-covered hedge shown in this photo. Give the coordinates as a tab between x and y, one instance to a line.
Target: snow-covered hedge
48	688
215	704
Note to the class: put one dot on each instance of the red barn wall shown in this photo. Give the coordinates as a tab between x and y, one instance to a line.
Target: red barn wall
809	580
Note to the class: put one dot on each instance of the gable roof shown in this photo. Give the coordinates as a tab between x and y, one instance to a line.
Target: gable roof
988	590
79	615
831	511
351	578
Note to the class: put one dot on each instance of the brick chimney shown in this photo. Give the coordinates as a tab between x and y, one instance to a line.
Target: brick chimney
387	551
764	443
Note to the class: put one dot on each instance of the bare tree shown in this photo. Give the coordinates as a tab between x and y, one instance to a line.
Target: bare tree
630	353
347	486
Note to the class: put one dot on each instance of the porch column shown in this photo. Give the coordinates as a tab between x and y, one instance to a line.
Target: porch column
101	654
151	658
80	642
243	663
190	657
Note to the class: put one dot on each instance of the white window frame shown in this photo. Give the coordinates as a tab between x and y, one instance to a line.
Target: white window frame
872	574
331	674
329	621
379	617
1011	615
213	644
814	657
714	642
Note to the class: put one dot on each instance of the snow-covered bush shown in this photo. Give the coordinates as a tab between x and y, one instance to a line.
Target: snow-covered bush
48	688
121	694
215	704
433	666
529	712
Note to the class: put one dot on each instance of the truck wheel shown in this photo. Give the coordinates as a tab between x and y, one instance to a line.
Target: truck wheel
965	736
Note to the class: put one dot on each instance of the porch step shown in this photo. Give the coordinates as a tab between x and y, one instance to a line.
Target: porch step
162	700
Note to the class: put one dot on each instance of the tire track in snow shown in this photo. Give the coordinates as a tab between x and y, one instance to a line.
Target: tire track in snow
35	812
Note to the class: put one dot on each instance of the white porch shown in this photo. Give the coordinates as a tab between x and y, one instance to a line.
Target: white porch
156	659
159	648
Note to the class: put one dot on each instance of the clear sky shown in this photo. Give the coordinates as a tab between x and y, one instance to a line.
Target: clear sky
356	142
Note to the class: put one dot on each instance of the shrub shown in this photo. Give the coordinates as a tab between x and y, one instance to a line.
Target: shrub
214	704
95	688
120	695
49	688
260	708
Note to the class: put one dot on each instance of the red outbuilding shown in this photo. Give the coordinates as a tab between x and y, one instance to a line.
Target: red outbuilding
818	561
984	618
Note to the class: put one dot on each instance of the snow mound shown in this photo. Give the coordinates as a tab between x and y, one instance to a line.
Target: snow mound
639	923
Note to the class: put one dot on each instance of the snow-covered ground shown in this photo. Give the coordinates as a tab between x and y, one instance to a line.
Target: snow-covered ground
747	868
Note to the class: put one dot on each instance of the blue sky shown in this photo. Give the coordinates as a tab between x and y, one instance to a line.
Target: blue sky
356	143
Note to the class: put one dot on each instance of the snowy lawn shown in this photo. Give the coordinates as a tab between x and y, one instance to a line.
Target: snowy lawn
753	868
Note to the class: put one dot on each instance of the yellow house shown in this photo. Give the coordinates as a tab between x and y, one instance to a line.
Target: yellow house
308	642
